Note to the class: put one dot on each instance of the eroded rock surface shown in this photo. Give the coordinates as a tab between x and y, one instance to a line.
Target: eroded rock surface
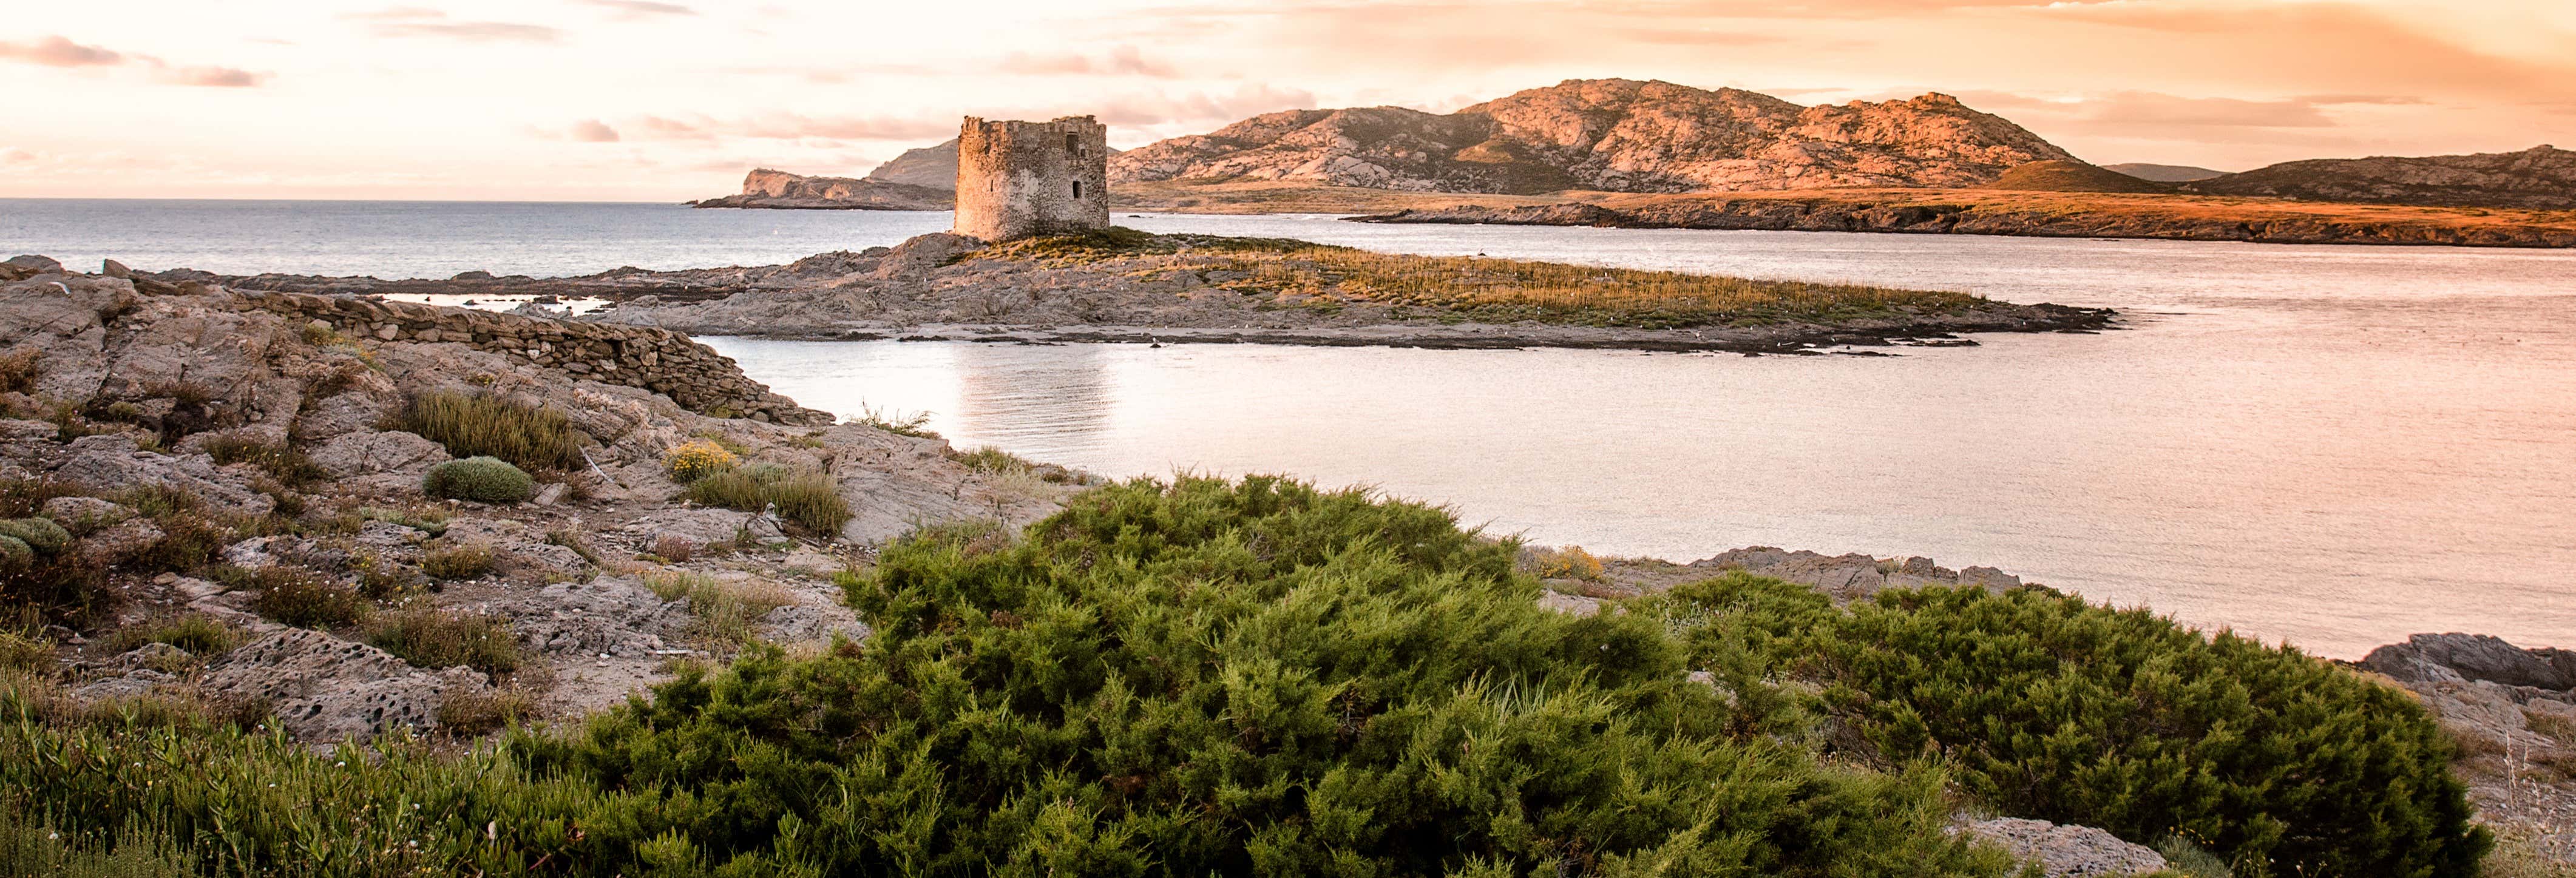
322	688
2065	851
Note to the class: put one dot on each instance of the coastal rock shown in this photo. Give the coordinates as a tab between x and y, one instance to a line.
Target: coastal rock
1852	576
111	463
321	688
34	263
370	453
608	616
2067	851
764	187
800	623
115	269
2433	658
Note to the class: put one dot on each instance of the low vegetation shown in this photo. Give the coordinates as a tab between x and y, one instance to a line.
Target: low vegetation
486	425
690	461
198	634
290	595
807	499
480	479
433	638
2048	707
288	465
1483	289
470	561
726	612
1257	677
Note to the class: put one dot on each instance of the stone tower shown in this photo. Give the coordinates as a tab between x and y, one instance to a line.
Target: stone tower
1016	179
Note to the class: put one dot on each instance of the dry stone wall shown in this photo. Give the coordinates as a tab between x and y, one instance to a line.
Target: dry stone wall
656	359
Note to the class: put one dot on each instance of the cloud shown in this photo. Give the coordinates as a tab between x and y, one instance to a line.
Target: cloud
593	131
14	156
1198	107
641	8
60	52
414	21
215	77
785	125
56	51
1121	61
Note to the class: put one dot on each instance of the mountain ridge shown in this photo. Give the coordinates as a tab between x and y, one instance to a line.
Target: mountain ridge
2540	178
1615	135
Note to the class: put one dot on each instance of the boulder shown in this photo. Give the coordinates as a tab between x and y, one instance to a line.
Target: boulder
41	264
2067	851
85	514
2451	657
798	623
610	615
702	526
321	688
115	269
369	453
110	462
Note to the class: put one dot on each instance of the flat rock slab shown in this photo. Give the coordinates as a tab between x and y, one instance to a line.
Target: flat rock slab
322	688
2068	851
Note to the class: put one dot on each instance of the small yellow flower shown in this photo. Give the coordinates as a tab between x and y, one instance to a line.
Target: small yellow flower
690	461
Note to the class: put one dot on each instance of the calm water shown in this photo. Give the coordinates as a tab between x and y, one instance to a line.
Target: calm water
2338	446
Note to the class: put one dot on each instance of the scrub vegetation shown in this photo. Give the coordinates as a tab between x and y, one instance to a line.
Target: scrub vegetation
1255	677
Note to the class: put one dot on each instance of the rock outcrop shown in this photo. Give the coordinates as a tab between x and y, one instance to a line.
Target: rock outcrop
778	189
2541	178
2512	713
322	688
1851	576
929	167
2067	851
1615	135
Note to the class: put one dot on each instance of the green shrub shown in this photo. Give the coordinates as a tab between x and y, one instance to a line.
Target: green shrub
483	425
15	554
808	499
305	599
434	638
40	534
457	562
480	479
286	464
2055	709
31	849
1217	678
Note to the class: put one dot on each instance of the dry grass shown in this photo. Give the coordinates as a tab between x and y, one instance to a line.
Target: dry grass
432	638
457	562
726	611
1565	562
1297	274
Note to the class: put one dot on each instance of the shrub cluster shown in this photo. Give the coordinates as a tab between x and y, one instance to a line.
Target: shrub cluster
1565	562
485	425
198	634
1215	678
808	499
480	479
690	461
2051	708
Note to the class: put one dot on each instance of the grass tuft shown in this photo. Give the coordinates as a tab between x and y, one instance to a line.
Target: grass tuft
433	638
484	425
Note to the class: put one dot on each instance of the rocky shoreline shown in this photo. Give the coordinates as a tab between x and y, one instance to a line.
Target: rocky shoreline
2055	215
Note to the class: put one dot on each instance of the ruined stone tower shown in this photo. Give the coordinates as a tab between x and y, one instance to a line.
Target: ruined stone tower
1016	179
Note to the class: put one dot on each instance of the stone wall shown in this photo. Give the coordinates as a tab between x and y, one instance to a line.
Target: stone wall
1016	179
659	360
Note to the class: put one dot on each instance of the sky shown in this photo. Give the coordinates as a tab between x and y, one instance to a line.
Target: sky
647	100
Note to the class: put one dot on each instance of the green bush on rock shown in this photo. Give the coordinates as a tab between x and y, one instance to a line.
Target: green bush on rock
480	479
2051	708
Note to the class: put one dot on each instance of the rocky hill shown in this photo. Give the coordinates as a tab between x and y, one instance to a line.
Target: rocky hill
929	167
2164	173
1615	135
2064	175
764	187
2541	178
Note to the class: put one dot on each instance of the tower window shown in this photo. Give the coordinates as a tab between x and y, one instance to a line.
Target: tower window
1077	189
1072	145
